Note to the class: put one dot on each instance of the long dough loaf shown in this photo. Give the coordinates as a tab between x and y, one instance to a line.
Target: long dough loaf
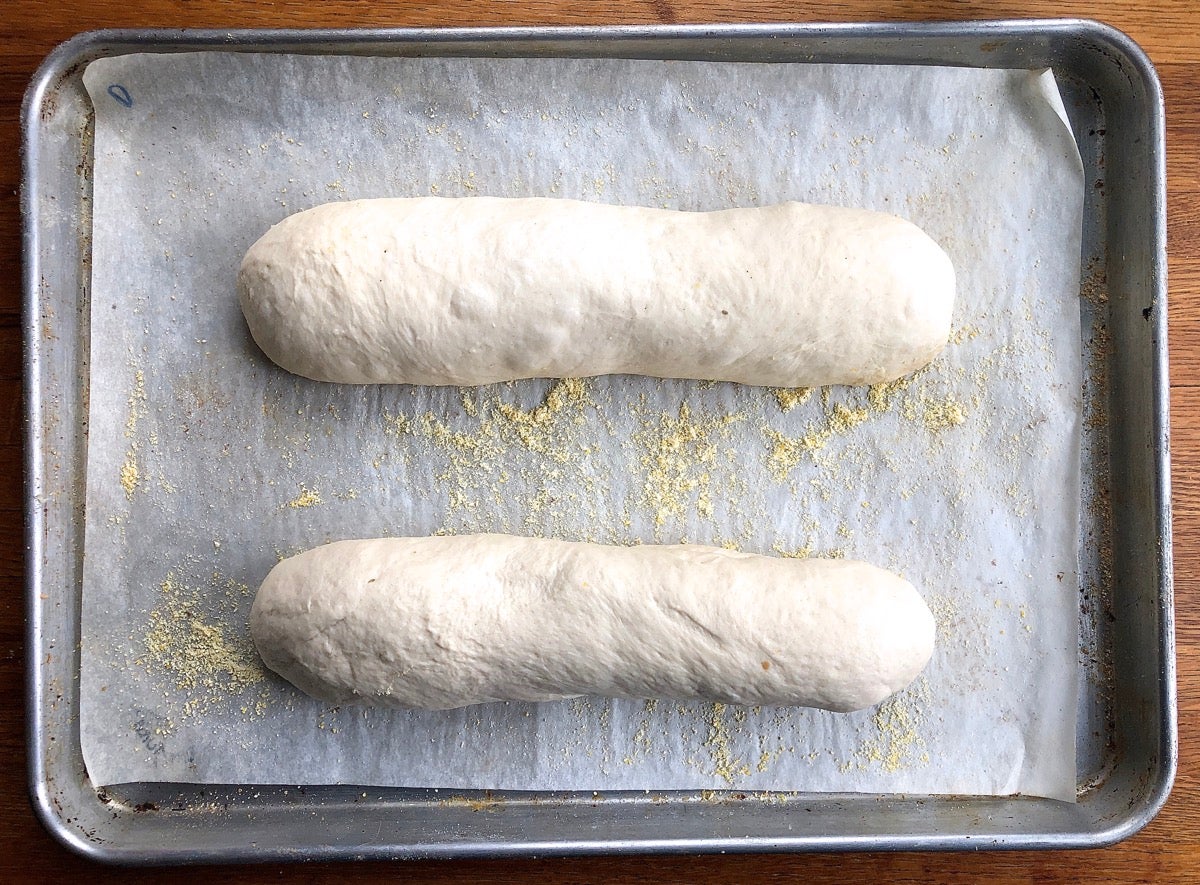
442	622
478	290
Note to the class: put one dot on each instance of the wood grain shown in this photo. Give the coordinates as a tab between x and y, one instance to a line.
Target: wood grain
1167	851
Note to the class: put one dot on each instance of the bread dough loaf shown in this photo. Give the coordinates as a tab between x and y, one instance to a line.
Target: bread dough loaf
442	622
477	290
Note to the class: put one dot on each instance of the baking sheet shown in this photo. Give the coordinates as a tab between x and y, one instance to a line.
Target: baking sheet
206	463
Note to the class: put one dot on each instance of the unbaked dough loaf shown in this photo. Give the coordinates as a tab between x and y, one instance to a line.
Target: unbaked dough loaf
442	622
478	290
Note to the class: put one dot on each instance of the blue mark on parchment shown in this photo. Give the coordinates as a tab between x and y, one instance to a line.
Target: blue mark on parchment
121	94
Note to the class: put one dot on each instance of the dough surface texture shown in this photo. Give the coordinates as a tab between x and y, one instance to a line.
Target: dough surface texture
443	622
477	290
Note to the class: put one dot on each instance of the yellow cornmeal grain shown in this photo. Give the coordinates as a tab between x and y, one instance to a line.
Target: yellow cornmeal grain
794	552
396	425
641	741
939	412
468	404
789	398
896	724
130	474
188	644
441	434
880	396
306	498
534	427
1020	501
945	612
725	765
137	404
768	757
678	452
964	333
943	415
474	477
843	418
896	743
487	803
641	737
787	452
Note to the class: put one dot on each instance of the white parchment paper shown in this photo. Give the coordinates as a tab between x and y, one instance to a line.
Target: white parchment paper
206	463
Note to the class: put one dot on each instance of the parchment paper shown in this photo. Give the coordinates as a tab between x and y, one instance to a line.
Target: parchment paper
206	463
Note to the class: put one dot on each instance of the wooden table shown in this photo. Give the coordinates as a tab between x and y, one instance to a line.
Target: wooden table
1169	30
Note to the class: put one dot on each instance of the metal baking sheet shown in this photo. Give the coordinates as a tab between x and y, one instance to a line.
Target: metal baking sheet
1098	70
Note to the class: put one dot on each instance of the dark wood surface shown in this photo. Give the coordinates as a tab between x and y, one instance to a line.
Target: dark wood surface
1168	850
